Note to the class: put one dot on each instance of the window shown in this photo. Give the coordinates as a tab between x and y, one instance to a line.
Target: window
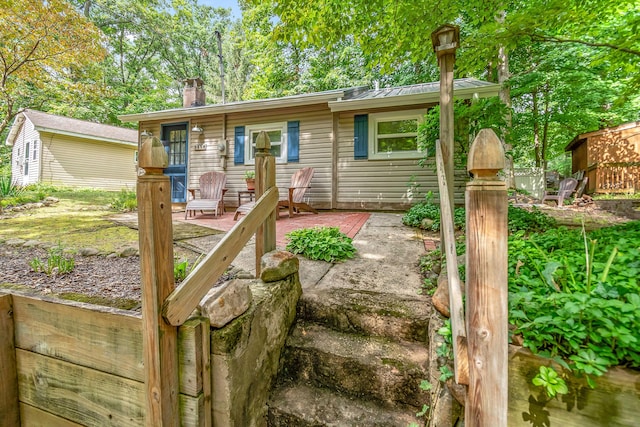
25	165
277	135
35	150
394	135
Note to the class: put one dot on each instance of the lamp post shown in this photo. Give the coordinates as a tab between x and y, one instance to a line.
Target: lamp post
445	40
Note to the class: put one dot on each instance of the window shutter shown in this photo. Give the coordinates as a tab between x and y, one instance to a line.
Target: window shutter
361	136
293	141
238	148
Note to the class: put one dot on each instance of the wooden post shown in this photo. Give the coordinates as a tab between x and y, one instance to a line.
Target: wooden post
265	179
486	274
9	409
445	40
160	340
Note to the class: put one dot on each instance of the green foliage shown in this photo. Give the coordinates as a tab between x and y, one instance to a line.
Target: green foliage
427	210
576	295
249	174
445	373
9	188
552	383
446	348
321	243
125	201
57	263
181	269
530	221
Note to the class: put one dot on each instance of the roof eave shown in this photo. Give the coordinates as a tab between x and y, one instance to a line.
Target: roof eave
419	98
254	105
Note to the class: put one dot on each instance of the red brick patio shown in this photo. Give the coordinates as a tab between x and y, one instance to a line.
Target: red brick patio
348	222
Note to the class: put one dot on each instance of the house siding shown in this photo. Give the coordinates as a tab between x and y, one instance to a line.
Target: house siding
315	150
27	134
78	162
383	184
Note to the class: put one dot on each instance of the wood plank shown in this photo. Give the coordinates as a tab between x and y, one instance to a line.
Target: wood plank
190	356
77	393
207	389
615	402
192	411
9	412
34	417
182	301
458	330
104	340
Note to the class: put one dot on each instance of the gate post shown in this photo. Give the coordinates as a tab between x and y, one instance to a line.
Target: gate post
160	340
486	274
265	179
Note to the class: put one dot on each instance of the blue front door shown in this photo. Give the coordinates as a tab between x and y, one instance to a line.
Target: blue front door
174	138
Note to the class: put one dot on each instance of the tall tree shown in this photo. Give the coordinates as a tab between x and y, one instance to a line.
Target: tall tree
46	49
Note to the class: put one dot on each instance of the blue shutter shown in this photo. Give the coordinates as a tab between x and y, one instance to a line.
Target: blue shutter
361	136
293	141
238	148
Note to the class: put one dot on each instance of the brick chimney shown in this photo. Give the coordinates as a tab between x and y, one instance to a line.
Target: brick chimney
193	93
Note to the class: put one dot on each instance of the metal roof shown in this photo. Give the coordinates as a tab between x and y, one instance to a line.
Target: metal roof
337	100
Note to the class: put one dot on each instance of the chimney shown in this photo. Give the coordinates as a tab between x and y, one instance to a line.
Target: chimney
193	94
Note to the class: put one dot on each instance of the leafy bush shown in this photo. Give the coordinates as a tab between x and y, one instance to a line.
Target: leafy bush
125	201
181	269
321	243
9	188
57	263
416	215
529	221
575	296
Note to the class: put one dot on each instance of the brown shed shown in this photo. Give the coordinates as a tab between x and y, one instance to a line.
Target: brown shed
610	158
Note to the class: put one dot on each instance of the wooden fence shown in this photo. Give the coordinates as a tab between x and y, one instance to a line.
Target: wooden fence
78	364
614	178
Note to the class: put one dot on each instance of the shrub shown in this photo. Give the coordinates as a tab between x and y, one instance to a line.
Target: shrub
125	201
529	221
416	215
9	188
321	243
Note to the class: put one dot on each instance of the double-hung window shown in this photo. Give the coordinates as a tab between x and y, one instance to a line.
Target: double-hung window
277	135
394	135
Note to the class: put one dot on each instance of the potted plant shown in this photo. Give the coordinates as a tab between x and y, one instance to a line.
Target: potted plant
250	178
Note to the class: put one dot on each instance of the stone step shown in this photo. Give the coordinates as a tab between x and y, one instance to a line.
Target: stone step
403	318
367	367
302	405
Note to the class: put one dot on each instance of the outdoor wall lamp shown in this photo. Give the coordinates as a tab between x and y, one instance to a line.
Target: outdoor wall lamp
146	133
196	129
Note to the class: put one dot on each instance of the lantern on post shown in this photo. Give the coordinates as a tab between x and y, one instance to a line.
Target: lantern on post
445	39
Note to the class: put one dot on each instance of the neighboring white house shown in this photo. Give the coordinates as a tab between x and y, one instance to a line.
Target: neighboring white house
77	153
362	143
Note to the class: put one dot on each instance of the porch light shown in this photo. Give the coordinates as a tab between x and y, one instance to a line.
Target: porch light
146	133
196	129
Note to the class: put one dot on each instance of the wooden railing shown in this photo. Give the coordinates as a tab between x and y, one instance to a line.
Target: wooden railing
617	178
458	329
163	307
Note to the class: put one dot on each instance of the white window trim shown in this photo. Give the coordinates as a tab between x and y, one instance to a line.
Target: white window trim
373	129
281	126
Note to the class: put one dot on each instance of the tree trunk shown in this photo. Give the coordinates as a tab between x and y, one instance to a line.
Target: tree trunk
505	97
536	129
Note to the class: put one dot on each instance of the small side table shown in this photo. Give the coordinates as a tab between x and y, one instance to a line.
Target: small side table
245	193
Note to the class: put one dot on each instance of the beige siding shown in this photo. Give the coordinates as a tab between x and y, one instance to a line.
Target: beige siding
27	134
79	162
382	184
315	150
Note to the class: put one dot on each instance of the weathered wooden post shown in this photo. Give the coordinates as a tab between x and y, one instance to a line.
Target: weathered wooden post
445	40
265	179
486	274
160	340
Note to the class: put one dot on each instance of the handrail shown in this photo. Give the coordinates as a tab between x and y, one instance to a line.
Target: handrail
185	298
458	330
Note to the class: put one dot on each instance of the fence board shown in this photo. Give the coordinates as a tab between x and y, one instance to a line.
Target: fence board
8	381
77	393
105	341
34	417
89	397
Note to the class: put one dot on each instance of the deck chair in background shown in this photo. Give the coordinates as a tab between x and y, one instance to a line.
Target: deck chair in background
211	191
567	187
294	200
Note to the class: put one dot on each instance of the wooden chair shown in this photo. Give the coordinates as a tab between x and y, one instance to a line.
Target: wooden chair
567	187
211	194
294	201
